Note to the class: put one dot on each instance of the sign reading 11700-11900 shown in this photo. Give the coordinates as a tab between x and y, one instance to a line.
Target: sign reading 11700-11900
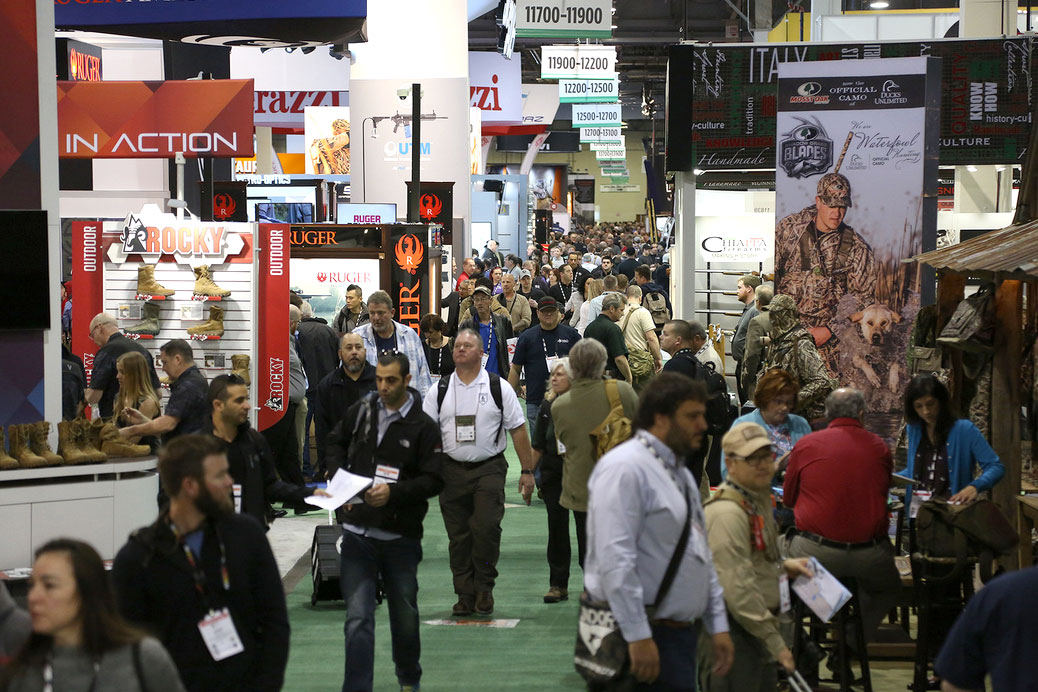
722	110
564	18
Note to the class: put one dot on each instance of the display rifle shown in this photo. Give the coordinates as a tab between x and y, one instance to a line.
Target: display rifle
846	145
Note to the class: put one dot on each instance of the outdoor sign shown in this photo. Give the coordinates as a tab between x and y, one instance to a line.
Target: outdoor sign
87	286
855	194
601	134
271	386
564	18
578	62
721	98
495	86
255	23
155	120
601	114
589	90
285	109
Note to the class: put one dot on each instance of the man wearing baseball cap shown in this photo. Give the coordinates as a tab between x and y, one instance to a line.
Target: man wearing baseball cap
743	539
536	351
819	259
529	289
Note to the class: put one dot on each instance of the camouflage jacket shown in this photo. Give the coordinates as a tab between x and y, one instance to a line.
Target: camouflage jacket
792	349
836	263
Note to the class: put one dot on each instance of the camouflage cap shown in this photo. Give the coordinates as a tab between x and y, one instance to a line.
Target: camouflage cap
835	190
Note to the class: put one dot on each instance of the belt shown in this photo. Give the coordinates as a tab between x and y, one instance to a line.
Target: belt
839	544
475	464
672	624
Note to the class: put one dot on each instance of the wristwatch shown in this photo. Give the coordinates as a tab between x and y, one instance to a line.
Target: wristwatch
526	472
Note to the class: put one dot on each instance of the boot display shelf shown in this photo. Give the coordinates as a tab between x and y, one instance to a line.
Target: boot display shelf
145	297
205	298
112	466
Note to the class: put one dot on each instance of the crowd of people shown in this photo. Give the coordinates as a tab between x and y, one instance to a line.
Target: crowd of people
614	407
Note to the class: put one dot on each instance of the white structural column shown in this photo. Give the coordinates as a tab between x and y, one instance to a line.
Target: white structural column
979	191
683	254
46	69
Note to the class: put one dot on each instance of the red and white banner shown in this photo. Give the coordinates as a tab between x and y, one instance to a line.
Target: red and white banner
285	109
495	86
270	390
87	288
155	120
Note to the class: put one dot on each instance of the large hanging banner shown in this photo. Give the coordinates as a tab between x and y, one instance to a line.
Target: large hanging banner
721	106
855	193
270	390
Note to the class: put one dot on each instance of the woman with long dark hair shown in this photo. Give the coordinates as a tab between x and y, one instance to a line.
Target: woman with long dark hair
943	449
79	641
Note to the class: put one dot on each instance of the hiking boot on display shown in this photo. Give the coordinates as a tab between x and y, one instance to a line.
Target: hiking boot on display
204	284
240	367
147	285
7	461
113	444
38	443
67	446
149	323
213	327
19	438
81	439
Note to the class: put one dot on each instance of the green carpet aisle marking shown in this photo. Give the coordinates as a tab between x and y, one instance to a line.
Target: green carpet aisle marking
536	655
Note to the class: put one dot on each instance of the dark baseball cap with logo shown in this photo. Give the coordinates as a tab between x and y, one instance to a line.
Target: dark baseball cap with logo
835	190
547	303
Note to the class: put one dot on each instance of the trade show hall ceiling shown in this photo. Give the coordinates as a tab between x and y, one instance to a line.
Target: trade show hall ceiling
644	29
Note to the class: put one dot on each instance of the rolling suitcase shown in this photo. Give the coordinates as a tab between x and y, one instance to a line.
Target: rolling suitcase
324	564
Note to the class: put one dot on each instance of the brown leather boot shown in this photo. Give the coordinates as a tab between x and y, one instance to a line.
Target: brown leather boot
6	460
240	367
38	443
204	284
84	442
19	435
67	444
113	444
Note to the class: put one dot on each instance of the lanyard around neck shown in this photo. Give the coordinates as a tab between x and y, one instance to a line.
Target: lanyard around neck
48	675
197	572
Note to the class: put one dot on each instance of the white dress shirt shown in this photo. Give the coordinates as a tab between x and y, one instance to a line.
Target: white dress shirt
474	399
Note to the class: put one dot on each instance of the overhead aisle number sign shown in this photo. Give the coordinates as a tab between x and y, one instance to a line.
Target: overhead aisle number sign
605	135
578	62
589	114
607	146
564	18
611	155
589	90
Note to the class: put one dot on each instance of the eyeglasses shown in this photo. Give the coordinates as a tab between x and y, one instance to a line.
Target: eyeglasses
757	458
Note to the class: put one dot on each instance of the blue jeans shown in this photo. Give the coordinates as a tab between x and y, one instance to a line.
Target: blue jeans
362	560
531	418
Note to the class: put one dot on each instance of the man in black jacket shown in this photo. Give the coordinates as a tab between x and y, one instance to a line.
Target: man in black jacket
388	438
341	389
200	571
319	351
256	483
494	329
453	304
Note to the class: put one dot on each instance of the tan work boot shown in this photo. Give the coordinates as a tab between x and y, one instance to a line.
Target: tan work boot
149	323
113	444
38	443
7	461
19	437
240	367
88	441
147	285
204	284
214	327
67	444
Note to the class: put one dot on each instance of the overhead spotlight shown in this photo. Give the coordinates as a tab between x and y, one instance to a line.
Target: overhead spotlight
879	5
1000	168
697	171
971	169
308	50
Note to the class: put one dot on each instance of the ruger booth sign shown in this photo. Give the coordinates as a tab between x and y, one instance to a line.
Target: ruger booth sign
155	120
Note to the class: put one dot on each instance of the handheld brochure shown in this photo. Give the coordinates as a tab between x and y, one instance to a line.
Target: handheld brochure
342	488
822	593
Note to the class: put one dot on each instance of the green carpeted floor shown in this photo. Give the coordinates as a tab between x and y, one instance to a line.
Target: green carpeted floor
536	655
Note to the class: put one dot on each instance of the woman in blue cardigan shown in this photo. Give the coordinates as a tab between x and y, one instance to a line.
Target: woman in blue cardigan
943	449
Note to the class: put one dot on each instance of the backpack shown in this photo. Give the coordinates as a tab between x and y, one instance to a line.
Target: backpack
656	303
495	394
615	428
924	353
977	530
972	325
719	413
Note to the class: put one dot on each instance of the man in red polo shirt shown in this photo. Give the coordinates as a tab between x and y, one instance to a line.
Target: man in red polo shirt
837	484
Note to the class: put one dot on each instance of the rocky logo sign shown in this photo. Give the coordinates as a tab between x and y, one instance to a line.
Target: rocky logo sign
149	236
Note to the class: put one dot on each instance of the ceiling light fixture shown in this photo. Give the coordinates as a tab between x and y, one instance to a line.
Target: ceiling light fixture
879	5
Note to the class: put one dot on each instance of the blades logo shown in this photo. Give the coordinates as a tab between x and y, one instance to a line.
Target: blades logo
409	253
223	206
429	207
133	236
807	151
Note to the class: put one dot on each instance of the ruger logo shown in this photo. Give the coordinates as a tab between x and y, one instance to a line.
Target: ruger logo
429	207
485	98
83	67
194	239
223	206
807	151
409	253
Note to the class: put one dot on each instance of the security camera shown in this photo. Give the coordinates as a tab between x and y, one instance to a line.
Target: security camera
403	93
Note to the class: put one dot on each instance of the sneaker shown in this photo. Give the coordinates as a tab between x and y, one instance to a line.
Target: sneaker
485	603
463	607
556	594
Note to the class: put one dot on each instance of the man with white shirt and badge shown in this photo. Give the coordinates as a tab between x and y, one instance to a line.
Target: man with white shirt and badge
387	437
474	408
644	504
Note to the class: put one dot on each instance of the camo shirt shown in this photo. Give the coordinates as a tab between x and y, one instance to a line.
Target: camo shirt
793	350
818	290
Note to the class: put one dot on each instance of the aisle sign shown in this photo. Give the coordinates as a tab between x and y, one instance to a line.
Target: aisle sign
627	187
601	134
613	169
606	146
589	90
578	62
611	155
585	114
564	18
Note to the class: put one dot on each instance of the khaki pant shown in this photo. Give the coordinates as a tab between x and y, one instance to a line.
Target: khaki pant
754	669
472	504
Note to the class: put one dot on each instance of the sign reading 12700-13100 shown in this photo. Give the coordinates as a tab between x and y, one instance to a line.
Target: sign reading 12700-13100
564	18
578	62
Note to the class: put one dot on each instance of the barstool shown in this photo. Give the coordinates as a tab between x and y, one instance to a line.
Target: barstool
848	615
939	583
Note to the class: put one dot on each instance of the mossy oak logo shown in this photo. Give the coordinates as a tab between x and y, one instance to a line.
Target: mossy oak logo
809	92
806	151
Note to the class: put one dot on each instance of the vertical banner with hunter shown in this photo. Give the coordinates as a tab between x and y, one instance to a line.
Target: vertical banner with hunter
857	147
